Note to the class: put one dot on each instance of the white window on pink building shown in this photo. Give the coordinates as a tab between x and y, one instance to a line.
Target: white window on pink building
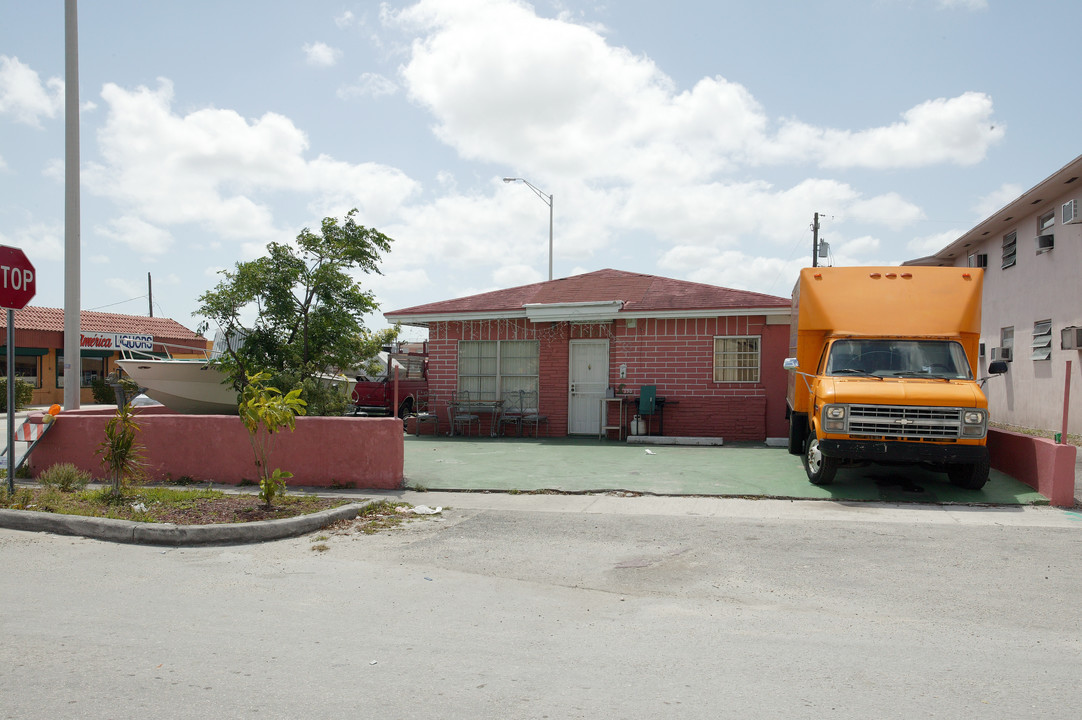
736	359
493	369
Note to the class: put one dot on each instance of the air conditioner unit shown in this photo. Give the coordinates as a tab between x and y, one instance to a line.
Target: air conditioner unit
1072	213
1001	353
1045	243
1070	338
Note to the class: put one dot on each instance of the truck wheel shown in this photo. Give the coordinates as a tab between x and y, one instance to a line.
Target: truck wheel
969	477
798	431
820	467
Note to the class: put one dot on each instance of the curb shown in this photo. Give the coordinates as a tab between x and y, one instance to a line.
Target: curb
140	533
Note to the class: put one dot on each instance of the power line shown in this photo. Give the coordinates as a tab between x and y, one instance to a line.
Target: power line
121	302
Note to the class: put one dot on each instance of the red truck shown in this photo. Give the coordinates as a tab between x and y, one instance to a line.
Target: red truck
376	395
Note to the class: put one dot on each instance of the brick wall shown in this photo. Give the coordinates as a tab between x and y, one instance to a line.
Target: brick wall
676	355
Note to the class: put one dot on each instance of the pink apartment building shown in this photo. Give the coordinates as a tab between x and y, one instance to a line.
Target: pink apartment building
1031	251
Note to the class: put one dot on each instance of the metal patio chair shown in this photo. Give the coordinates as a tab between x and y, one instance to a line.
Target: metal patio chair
510	413
531	414
424	414
462	413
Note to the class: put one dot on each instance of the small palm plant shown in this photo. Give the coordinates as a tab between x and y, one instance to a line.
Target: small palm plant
121	452
265	411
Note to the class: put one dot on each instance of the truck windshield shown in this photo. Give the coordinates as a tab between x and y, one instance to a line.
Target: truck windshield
899	358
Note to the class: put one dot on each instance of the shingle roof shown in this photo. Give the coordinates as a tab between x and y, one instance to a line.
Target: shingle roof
639	293
52	320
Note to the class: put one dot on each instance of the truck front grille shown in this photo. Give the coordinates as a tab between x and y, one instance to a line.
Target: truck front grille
899	421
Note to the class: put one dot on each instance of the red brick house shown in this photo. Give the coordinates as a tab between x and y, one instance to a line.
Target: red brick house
713	353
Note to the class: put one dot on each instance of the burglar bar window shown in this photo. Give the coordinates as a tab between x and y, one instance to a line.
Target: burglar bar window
736	359
490	369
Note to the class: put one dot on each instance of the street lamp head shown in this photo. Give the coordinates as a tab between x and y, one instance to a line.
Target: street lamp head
510	179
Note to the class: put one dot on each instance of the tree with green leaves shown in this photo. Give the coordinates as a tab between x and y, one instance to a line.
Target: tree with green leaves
265	410
308	306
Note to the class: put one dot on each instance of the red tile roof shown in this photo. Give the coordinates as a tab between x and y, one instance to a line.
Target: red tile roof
639	293
52	320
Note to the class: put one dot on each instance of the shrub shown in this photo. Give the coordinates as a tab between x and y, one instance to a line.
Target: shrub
265	411
121	452
65	477
320	397
103	394
24	393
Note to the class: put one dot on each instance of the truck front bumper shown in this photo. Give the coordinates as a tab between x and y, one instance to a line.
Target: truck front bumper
903	452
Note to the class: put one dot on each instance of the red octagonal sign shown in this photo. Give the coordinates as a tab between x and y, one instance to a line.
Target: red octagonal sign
18	280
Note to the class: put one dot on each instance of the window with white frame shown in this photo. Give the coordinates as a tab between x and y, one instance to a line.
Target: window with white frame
736	359
490	369
1006	344
979	260
1010	249
1045	239
1042	340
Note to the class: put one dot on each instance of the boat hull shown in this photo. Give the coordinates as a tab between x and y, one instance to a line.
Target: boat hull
192	387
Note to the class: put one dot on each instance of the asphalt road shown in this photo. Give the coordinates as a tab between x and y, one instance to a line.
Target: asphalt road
562	607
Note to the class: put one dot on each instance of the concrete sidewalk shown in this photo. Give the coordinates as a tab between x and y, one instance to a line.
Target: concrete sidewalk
572	465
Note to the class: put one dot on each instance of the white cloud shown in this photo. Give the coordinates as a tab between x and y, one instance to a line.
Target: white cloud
321	54
890	210
734	269
142	238
997	200
345	20
956	130
40	241
371	85
856	247
505	84
964	4
931	244
24	97
214	168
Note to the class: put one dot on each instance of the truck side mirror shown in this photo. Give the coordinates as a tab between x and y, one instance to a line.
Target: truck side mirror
997	367
791	364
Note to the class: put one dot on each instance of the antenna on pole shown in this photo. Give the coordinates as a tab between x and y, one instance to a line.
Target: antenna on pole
815	241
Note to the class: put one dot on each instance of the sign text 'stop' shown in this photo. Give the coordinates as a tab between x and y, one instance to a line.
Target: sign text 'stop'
18	283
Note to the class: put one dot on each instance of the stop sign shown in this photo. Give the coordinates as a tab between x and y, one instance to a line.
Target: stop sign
18	281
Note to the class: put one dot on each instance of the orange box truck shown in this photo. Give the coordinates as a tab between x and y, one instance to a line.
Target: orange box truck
883	369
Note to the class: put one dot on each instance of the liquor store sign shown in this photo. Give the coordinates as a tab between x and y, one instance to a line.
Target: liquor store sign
116	341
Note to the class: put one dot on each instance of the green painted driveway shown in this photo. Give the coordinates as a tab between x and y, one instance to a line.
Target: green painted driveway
577	465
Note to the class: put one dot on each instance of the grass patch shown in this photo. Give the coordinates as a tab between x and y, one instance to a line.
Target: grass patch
165	504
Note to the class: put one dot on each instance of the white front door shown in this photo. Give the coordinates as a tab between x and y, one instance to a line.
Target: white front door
589	380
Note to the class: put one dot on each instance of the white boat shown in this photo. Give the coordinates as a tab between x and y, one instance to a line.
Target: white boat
185	386
197	387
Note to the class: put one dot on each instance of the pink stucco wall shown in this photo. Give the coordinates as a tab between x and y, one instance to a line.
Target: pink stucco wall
321	452
1045	466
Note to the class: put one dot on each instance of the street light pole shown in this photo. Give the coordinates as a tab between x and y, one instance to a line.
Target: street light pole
547	199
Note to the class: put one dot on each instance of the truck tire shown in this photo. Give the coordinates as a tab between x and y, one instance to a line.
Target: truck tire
820	467
969	477
798	433
404	410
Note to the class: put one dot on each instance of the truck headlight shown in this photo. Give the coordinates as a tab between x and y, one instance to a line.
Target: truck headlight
974	423
834	418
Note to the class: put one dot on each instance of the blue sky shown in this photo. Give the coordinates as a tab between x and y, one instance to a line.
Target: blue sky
688	139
